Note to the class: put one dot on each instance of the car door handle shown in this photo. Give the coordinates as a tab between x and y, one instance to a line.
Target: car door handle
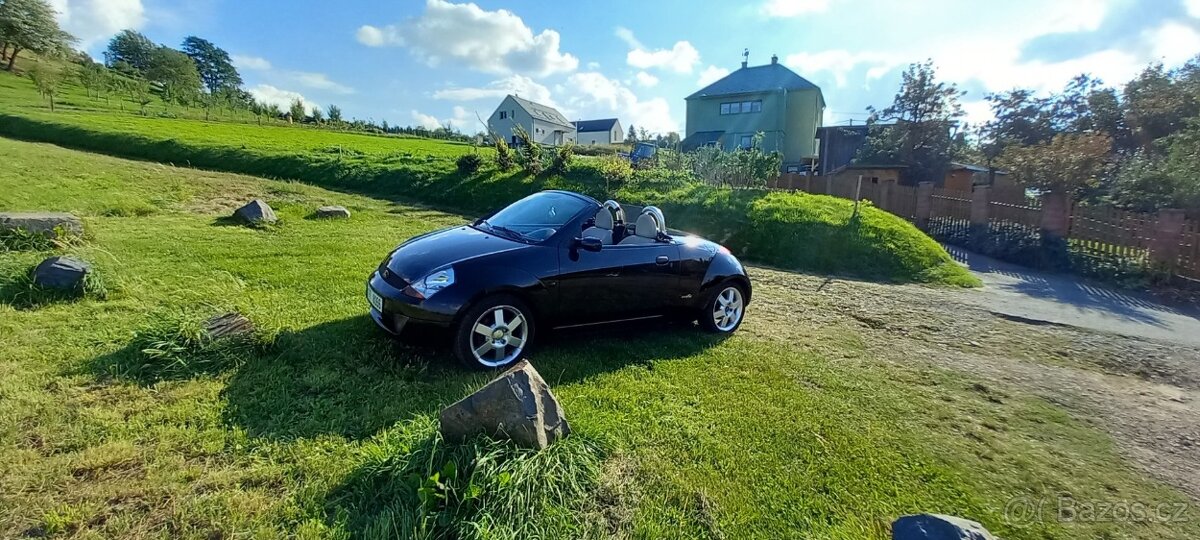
661	260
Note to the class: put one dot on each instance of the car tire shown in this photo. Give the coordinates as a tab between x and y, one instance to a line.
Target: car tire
487	330
718	315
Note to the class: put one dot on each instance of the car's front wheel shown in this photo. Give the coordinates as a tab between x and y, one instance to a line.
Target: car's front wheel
725	309
494	333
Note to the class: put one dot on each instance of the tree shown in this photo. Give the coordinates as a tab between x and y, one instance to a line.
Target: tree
175	72
213	63
297	110
30	25
46	78
917	129
130	50
335	114
92	77
631	135
1068	163
139	92
1159	102
317	116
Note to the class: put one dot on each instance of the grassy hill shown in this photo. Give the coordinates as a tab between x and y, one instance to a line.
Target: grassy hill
325	428
790	230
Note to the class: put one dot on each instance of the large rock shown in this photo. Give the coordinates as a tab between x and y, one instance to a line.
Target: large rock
47	224
938	527
517	405
333	212
61	273
228	325
255	212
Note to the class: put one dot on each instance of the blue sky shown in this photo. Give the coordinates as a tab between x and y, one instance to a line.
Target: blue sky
432	62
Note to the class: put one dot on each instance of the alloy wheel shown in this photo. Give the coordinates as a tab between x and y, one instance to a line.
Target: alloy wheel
499	336
727	310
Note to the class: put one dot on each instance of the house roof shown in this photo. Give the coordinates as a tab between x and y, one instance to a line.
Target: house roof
541	112
700	138
766	78
957	166
605	124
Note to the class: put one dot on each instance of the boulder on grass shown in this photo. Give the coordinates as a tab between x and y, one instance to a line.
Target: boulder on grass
517	406
938	527
333	212
47	224
62	273
228	325
255	212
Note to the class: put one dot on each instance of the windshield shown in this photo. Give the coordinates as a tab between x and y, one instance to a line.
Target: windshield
536	217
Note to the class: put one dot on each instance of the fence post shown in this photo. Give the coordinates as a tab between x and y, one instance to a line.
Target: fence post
1168	230
980	199
885	195
1056	215
924	204
829	185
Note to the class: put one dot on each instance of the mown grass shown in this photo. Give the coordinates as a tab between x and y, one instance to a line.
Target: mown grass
791	230
322	427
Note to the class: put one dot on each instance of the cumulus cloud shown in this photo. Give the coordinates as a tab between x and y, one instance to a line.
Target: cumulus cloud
318	81
592	95
645	79
840	63
94	21
680	58
711	74
271	95
793	8
461	120
489	41
426	121
250	63
513	84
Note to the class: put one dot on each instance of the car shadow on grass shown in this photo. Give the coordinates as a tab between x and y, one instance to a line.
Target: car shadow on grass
347	378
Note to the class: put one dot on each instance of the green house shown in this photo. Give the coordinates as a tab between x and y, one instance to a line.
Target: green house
771	99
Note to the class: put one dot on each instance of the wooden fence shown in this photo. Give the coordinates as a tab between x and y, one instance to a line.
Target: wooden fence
1096	236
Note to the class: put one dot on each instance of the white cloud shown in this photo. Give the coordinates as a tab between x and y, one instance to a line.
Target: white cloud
250	63
680	58
426	121
1192	7
626	35
595	96
461	120
283	98
513	84
841	62
711	74
488	41
1174	43
318	81
93	21
646	80
593	65
792	8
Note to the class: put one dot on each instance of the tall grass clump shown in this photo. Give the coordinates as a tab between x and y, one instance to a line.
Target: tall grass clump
177	346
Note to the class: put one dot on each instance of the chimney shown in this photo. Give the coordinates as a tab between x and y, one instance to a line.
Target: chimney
745	58
774	59
744	62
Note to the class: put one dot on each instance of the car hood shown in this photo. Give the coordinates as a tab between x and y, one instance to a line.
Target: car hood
423	254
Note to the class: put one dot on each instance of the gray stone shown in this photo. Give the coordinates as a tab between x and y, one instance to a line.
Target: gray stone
517	406
228	325
938	527
255	212
61	273
333	212
47	224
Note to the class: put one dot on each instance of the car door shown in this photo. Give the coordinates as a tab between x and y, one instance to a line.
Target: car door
617	282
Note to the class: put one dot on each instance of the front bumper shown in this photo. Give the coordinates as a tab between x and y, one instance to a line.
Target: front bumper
399	309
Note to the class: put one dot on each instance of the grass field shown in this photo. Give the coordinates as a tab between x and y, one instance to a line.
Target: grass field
791	230
322	427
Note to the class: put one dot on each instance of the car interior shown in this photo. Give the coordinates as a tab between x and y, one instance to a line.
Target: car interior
610	226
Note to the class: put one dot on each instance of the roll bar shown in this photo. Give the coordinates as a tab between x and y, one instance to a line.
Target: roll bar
615	207
658	218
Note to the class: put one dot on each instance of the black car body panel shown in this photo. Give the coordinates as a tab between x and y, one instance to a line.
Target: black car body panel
564	284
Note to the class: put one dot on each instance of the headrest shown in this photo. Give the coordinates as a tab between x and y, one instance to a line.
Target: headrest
604	219
647	226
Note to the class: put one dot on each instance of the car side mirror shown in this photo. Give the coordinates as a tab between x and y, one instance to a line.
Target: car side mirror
589	243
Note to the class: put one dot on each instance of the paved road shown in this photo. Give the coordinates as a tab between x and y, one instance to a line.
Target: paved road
1016	291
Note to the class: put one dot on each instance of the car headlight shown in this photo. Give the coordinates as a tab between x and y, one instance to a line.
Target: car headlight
431	284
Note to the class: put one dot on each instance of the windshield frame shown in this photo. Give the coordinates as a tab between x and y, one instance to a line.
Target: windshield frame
589	206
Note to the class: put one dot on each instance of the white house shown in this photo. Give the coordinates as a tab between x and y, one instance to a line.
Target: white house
544	124
606	131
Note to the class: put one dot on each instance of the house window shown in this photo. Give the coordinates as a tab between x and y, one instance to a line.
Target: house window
741	107
503	115
745	141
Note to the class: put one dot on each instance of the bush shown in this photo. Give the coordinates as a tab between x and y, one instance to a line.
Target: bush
562	159
748	167
469	164
529	152
504	155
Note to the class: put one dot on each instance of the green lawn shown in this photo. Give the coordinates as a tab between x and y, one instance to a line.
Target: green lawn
326	428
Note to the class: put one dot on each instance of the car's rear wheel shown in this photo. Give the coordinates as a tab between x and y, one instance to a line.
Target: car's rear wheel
725	309
494	333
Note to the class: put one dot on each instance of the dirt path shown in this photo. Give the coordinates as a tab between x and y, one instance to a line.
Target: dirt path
1144	392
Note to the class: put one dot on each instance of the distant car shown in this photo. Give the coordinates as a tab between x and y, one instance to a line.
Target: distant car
551	260
642	155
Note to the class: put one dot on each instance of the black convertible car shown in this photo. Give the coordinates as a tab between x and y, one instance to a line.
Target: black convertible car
553	259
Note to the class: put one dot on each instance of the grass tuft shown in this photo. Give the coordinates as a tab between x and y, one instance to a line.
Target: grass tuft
176	346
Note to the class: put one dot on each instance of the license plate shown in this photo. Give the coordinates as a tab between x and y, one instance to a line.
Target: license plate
375	300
